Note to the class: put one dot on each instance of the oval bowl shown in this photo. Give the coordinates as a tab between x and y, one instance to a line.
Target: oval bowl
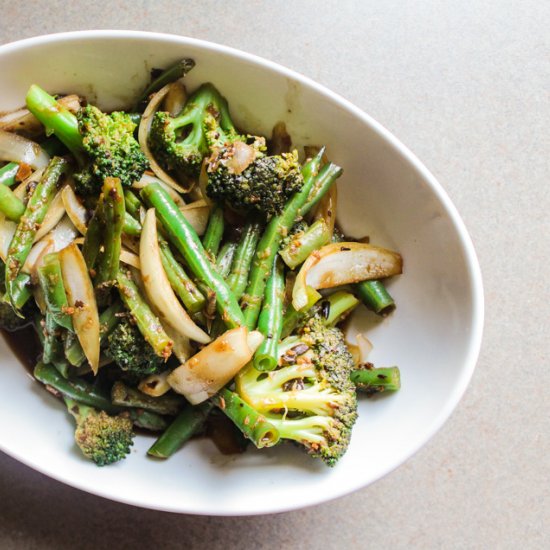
386	192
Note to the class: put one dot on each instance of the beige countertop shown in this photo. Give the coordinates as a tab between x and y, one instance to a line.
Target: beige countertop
466	86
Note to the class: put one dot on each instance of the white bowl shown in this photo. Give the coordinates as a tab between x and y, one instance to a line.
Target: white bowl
386	192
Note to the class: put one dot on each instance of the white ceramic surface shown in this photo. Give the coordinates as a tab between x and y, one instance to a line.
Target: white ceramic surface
434	336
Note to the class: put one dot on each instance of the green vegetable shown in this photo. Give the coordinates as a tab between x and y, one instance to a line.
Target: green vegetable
8	174
186	240
327	176
124	396
214	232
29	223
302	244
11	206
225	259
189	422
253	425
375	296
270	322
371	380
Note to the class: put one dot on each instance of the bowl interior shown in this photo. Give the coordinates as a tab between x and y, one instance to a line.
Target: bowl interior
385	192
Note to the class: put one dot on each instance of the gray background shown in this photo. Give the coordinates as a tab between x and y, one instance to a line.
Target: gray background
466	86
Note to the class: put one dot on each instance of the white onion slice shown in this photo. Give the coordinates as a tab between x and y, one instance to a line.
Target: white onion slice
63	234
75	210
53	216
16	148
143	135
7	230
197	214
39	249
157	286
343	263
80	296
214	366
130	258
175	99
365	347
155	385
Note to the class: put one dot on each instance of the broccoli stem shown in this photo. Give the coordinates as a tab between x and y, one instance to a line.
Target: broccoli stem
270	322
327	176
214	232
12	207
30	221
51	281
240	269
56	119
225	259
171	74
185	239
108	320
146	321
113	223
250	422
8	174
303	244
123	396
372	380
189	422
375	296
182	284
268	246
76	389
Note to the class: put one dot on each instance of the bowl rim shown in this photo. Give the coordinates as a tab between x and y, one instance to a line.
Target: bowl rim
473	268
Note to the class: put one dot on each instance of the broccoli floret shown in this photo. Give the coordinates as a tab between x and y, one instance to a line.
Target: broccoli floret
130	351
111	147
102	438
180	143
309	398
265	184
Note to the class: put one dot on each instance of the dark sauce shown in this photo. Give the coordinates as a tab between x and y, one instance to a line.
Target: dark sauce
25	345
225	435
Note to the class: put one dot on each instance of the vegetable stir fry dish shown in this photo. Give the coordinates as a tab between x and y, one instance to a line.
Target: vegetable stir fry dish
184	276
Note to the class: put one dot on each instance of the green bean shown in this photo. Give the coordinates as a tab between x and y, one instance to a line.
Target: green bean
51	281
146	321
268	246
113	220
8	173
49	330
185	239
123	396
375	296
133	204
56	119
240	269
182	284
92	240
76	388
131	226
171	74
148	420
303	244
21	290
188	423
29	223
327	176
108	320
371	380
250	422
10	205
225	258
214	232
270	322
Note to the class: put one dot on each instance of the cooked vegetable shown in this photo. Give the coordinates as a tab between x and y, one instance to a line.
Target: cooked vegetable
10	205
124	396
371	380
214	232
375	296
302	244
14	148
8	174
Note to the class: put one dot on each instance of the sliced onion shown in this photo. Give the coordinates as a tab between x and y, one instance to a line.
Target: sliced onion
157	286
16	148
155	385
38	251
80	296
7	231
365	347
146	179
241	158
55	213
75	209
143	138
175	99
197	214
343	263
129	258
326	209
63	234
215	365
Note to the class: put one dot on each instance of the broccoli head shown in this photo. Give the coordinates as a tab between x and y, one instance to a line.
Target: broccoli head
309	398
265	184
182	142
111	147
131	352
102	438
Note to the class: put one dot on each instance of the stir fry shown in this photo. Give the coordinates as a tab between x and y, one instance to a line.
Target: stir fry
177	268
